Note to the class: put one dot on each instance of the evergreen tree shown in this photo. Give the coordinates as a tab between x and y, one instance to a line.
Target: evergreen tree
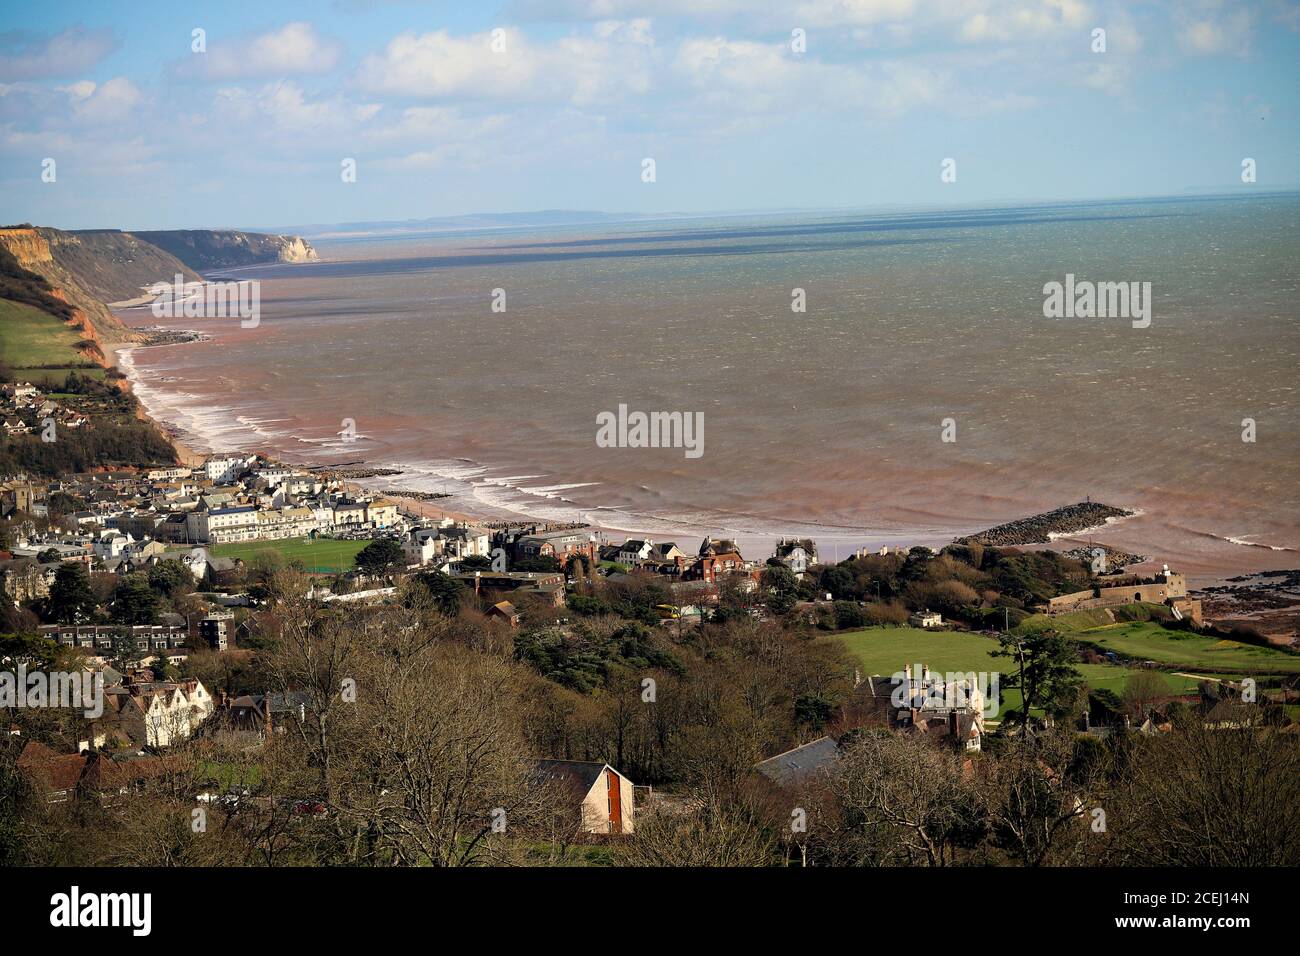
71	600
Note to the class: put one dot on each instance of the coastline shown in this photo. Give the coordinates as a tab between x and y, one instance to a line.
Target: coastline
189	456
185	455
498	499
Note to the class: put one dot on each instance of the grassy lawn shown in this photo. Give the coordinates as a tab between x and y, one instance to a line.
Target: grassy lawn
227	775
1113	678
886	650
30	337
1076	621
1150	642
318	555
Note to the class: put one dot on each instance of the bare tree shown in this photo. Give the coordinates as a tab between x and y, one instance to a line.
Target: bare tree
1037	800
905	800
1211	797
704	830
1141	691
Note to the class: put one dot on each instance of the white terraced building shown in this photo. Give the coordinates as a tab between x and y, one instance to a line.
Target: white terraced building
221	525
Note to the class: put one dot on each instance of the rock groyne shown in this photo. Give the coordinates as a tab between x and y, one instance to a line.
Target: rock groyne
1041	528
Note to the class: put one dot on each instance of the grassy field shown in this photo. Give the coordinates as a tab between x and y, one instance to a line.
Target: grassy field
318	555
30	337
886	650
1077	621
1150	642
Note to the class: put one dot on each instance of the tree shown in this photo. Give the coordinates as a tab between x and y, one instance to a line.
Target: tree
839	581
71	600
848	615
1045	673
134	601
815	710
713	832
380	557
1036	799
170	578
443	773
446	591
783	586
1141	691
61	503
946	596
904	801
1210	797
543	562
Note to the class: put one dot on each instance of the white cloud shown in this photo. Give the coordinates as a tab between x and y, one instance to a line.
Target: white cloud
79	90
1211	33
615	9
296	48
109	102
612	58
855	13
1006	22
73	51
285	107
1109	76
744	76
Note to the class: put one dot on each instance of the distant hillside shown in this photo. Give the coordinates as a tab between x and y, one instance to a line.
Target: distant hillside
112	265
477	221
37	277
207	249
44	337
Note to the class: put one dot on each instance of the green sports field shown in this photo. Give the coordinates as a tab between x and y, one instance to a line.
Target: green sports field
318	555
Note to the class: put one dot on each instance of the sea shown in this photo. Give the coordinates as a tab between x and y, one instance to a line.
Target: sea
865	378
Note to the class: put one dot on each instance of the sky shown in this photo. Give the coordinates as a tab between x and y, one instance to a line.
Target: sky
456	108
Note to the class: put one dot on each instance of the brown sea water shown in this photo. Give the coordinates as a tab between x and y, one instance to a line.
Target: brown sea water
825	423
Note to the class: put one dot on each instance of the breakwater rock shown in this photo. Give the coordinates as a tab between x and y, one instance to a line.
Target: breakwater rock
1041	528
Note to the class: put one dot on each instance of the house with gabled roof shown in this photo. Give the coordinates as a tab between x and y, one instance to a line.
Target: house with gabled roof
634	550
55	774
504	611
797	554
601	796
